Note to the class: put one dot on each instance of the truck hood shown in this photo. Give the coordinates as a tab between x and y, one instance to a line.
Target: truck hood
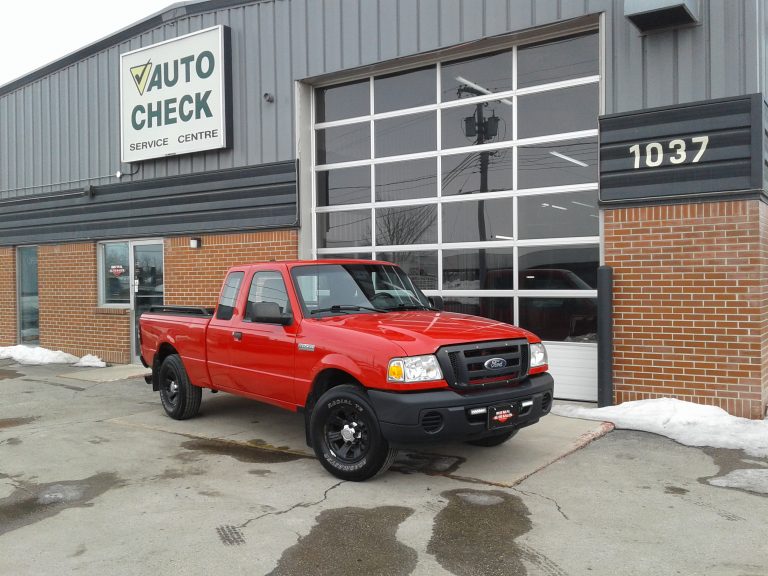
423	332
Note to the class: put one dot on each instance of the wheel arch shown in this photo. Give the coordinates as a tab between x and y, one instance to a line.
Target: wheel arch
165	350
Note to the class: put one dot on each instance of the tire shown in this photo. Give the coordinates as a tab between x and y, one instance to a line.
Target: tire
346	435
494	440
180	398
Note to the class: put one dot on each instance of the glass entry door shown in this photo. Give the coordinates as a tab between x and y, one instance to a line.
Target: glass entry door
147	282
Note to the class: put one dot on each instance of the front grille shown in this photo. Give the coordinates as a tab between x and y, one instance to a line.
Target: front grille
484	364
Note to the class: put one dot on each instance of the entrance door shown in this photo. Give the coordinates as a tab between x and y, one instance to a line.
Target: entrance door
147	289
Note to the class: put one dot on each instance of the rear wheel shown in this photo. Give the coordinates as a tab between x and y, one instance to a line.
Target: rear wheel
494	440
346	436
180	398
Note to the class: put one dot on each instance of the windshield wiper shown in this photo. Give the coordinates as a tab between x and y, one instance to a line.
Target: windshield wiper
346	308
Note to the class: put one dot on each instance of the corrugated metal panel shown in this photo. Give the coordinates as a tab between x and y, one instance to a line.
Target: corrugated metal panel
689	150
277	42
250	198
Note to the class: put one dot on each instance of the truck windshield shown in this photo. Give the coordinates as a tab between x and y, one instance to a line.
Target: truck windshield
325	289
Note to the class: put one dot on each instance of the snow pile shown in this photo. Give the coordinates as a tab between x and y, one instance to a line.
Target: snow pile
692	425
90	361
685	422
31	356
35	356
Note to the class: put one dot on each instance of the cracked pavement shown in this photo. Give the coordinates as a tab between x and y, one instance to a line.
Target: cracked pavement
94	479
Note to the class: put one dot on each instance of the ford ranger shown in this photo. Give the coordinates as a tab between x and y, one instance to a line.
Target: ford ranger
369	359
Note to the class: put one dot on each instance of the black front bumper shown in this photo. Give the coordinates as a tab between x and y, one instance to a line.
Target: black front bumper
445	414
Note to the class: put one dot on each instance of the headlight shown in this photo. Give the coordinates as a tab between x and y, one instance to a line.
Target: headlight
538	355
414	369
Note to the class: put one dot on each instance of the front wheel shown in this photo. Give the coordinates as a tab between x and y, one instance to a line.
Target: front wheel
494	440
346	436
180	398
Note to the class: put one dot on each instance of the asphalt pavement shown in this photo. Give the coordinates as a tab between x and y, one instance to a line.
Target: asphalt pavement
95	479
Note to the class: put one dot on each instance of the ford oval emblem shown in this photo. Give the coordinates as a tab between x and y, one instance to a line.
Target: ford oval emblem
495	364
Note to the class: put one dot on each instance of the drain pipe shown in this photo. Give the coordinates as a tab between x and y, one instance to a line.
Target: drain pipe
604	336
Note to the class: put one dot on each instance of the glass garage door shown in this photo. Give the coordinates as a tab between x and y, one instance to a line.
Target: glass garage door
479	177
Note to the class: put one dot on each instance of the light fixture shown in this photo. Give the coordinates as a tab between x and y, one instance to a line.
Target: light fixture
569	159
500	237
480	88
195	243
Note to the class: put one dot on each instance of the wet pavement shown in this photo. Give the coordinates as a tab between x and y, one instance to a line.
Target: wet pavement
94	479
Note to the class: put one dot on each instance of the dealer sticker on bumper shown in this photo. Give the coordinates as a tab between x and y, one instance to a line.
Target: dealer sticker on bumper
502	415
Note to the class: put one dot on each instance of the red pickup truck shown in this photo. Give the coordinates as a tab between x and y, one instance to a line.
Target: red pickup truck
370	360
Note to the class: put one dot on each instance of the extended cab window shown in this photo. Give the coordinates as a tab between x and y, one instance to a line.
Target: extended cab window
229	296
267	287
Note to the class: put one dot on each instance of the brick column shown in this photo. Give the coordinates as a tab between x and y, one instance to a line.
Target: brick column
691	303
193	276
8	328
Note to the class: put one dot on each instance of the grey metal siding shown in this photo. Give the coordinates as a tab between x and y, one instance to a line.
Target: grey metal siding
248	198
63	126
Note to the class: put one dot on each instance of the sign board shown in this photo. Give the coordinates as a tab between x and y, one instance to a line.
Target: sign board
173	96
698	149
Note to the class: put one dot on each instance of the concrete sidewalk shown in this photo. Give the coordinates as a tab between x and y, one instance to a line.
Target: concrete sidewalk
95	479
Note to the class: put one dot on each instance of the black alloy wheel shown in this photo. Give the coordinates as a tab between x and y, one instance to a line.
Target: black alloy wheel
346	436
180	398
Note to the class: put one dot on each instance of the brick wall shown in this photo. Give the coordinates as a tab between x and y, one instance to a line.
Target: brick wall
8	330
193	276
690	303
70	318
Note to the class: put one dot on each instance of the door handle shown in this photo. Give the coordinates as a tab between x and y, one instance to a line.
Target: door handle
237	336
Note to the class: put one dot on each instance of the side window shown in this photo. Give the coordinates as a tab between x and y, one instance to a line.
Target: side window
229	296
267	287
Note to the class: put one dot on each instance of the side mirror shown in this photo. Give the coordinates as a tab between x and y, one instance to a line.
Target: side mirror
437	302
268	313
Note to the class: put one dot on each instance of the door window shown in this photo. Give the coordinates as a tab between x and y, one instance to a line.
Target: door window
267	287
226	307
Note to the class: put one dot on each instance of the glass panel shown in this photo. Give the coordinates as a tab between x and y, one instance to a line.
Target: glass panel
559	268
344	186
267	287
405	90
558	111
479	269
344	101
501	309
406	134
337	229
148	280
558	215
29	305
477	172
344	143
228	299
346	256
556	61
476	76
406	180
557	164
116	273
478	221
560	319
420	266
406	225
461	125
